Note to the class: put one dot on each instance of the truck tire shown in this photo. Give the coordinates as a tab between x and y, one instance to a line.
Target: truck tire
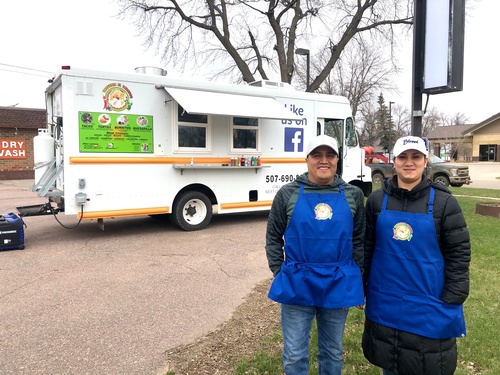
192	211
377	178
442	179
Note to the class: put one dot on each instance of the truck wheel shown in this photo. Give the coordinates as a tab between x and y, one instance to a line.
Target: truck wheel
377	178
192	211
442	180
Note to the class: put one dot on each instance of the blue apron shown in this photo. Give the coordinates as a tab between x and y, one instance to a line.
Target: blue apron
319	269
407	277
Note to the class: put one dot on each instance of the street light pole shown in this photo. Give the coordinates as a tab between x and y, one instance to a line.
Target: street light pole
305	52
390	128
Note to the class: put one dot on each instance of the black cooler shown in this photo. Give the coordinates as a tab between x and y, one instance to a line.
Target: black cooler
11	232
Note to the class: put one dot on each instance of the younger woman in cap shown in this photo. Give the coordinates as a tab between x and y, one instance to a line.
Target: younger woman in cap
416	270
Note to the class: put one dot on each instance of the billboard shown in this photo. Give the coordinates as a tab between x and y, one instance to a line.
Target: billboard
443	45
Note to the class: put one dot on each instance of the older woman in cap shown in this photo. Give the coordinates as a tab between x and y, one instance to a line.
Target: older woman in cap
416	270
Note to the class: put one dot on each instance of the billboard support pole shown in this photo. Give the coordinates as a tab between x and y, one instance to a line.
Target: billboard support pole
418	37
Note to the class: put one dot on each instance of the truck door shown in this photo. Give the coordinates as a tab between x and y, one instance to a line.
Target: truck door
351	165
335	129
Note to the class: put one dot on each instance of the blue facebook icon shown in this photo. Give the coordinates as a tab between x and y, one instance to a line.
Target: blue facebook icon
294	140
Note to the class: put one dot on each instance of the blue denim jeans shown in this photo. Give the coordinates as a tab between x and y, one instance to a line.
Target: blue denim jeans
296	324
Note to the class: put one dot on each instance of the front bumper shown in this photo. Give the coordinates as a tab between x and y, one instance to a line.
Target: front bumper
460	180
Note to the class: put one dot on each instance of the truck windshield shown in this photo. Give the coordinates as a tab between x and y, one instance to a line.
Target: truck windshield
334	128
435	160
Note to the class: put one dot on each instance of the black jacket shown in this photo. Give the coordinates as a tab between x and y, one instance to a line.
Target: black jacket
405	352
284	204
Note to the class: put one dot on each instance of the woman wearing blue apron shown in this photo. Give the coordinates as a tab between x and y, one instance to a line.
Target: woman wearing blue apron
314	224
417	255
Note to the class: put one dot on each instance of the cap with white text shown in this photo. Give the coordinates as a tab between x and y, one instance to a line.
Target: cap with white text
322	140
410	143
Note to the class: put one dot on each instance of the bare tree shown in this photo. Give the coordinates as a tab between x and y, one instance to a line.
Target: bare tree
401	120
433	118
368	133
360	74
373	124
456	119
260	37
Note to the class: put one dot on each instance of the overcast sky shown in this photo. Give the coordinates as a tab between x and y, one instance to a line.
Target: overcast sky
44	35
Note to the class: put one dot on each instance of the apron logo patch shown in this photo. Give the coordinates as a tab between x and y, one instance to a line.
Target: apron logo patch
402	232
323	211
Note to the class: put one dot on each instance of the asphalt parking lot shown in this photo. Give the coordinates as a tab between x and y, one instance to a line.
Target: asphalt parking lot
86	301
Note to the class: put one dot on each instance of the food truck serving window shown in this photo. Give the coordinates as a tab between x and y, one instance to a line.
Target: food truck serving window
245	133
193	131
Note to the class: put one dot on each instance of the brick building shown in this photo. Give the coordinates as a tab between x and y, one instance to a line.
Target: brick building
450	144
486	139
479	142
18	126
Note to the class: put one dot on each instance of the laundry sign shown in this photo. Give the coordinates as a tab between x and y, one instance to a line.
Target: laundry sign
12	148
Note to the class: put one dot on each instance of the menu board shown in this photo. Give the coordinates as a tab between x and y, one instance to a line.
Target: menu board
114	132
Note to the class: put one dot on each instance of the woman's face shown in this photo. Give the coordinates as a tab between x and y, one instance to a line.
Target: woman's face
410	166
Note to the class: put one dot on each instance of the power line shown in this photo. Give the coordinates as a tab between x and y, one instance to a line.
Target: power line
31	74
21	67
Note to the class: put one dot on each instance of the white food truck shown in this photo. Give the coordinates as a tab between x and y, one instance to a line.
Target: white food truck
145	144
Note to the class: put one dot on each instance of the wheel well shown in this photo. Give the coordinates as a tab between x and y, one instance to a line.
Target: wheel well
199	188
443	177
439	174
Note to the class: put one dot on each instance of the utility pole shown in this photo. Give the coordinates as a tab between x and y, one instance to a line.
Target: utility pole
305	52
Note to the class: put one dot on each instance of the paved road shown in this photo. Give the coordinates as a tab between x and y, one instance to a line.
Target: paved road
84	301
484	175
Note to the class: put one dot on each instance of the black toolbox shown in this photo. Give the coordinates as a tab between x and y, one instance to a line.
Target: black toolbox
11	232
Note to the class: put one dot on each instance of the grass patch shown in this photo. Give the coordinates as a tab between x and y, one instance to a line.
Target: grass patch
474	192
477	351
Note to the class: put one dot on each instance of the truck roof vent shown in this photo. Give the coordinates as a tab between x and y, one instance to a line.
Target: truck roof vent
151	70
272	84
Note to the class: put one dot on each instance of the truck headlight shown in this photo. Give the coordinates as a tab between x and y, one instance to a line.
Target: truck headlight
454	172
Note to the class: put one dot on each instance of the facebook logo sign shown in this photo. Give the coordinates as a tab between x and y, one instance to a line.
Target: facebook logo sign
294	140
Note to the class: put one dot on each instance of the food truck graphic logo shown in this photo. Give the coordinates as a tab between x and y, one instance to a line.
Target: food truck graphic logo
402	232
323	211
117	97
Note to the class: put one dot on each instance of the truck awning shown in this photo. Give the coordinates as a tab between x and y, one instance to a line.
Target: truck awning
214	103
